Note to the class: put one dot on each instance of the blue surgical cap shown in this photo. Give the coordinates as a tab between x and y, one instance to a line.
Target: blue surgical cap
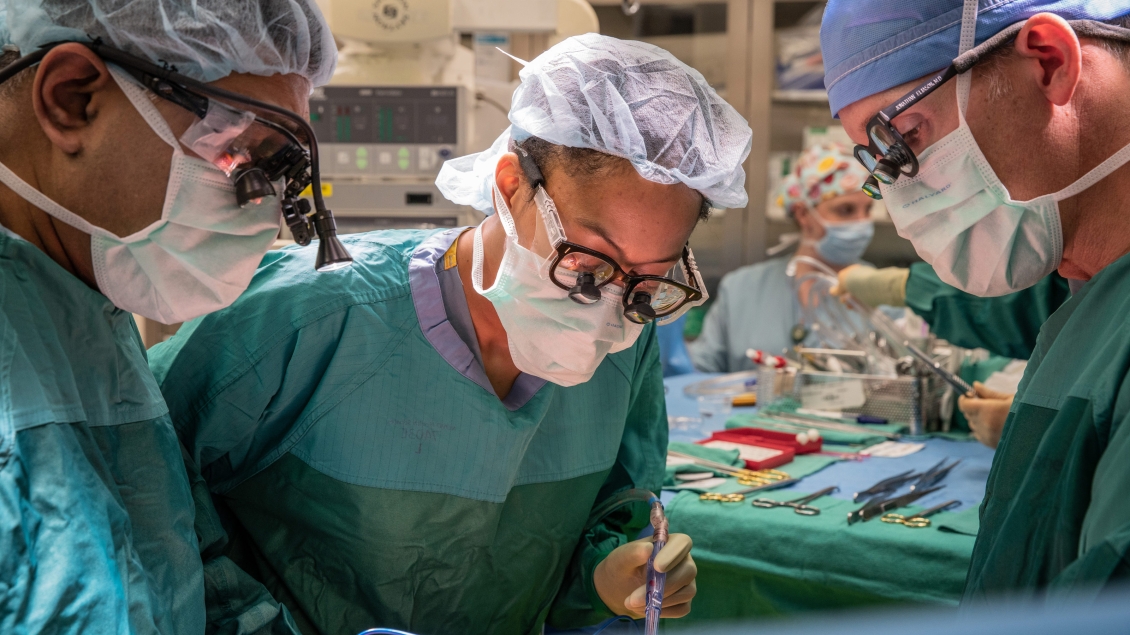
204	39
625	98
870	46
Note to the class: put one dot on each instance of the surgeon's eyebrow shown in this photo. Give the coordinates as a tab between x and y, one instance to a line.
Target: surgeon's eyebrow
595	228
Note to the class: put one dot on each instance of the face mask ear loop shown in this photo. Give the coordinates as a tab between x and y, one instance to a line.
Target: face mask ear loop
968	38
504	215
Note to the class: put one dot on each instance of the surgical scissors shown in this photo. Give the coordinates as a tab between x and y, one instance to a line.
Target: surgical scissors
739	496
799	505
921	519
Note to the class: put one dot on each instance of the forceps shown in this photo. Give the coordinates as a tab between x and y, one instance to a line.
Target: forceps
799	505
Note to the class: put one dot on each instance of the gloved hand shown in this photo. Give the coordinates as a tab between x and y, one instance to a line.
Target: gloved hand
872	286
986	413
621	578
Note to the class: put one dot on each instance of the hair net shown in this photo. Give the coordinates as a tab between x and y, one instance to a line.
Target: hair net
823	171
204	39
628	99
870	46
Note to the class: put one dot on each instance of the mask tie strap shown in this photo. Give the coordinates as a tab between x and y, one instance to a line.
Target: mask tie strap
1096	174
50	207
967	39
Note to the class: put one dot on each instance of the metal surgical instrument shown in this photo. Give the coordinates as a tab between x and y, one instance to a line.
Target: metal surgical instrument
958	383
799	505
921	519
880	507
886	487
821	424
934	475
739	495
744	476
655	580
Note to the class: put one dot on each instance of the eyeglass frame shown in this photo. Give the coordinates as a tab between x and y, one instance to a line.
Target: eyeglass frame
305	219
563	248
630	282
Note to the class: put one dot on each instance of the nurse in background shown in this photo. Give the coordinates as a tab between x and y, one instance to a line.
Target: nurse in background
757	305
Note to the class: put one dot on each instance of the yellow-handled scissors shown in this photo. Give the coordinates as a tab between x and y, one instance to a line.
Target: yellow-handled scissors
761	477
921	519
739	496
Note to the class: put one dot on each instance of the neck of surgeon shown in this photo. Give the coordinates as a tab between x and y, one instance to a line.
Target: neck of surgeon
1096	124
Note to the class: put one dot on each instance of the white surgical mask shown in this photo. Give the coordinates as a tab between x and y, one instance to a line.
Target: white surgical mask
550	335
962	220
844	243
198	258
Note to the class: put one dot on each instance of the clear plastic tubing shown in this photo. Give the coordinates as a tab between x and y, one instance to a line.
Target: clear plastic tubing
655	580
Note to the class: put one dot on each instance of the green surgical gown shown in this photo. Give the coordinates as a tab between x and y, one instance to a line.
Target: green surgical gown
1005	325
1055	513
372	476
96	512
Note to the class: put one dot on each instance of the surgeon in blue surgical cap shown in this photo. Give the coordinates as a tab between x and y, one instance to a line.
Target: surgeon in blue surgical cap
997	135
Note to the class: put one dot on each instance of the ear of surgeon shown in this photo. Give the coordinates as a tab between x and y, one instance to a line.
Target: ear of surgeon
1043	116
69	131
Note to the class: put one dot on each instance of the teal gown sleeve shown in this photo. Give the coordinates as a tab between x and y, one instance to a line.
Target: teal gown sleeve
639	464
1005	325
236	382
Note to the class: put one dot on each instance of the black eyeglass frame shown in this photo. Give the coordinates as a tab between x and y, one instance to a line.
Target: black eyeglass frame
898	159
563	248
630	282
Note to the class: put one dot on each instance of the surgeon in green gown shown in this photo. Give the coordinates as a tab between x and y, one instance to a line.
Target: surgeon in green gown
1002	197
437	438
103	213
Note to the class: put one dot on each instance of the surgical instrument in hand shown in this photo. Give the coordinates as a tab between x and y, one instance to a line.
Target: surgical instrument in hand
921	519
880	507
739	495
655	580
799	505
958	383
886	487
934	475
